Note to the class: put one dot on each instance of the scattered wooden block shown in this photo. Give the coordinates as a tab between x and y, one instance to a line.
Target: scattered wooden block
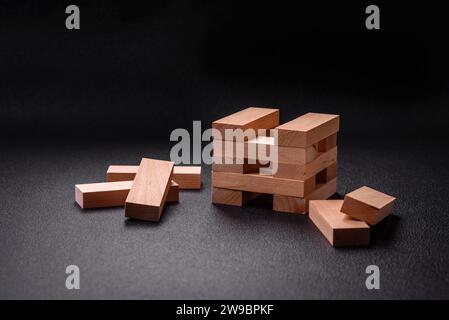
262	184
121	173
149	190
303	172
307	130
338	228
173	192
232	197
111	194
301	205
103	194
368	205
249	118
187	177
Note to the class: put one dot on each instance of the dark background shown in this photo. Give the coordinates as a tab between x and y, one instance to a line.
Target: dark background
73	102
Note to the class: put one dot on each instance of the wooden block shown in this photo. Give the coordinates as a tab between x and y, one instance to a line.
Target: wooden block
149	190
232	197
111	194
301	205
121	173
187	177
253	182
249	118
236	168
303	172
173	192
338	228
307	130
368	205
327	174
327	143
298	156
244	150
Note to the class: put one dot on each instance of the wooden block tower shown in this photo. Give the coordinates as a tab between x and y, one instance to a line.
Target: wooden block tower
306	159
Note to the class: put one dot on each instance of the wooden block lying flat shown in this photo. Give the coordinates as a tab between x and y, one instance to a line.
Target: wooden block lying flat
327	143
244	150
303	172
253	182
111	194
149	190
232	197
187	177
236	168
338	228
307	130
173	192
249	118
298	156
301	205
327	174
368	205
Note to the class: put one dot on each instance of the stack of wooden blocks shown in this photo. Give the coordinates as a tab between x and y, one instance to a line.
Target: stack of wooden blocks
306	160
142	189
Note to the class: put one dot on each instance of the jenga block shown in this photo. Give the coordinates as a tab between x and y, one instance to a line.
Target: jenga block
368	205
249	118
121	173
232	197
301	205
262	184
303	172
223	164
307	130
187	177
298	156
327	143
244	150
111	194
173	192
338	228
149	190
327	174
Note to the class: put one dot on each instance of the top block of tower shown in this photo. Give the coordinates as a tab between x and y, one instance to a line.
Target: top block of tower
249	118
307	130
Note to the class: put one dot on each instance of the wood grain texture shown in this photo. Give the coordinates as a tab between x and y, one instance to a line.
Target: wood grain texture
187	177
300	205
232	197
303	172
250	118
368	205
149	190
111	194
327	143
173	192
338	228
253	182
307	130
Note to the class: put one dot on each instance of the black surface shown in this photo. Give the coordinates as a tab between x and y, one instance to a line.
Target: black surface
73	102
200	250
